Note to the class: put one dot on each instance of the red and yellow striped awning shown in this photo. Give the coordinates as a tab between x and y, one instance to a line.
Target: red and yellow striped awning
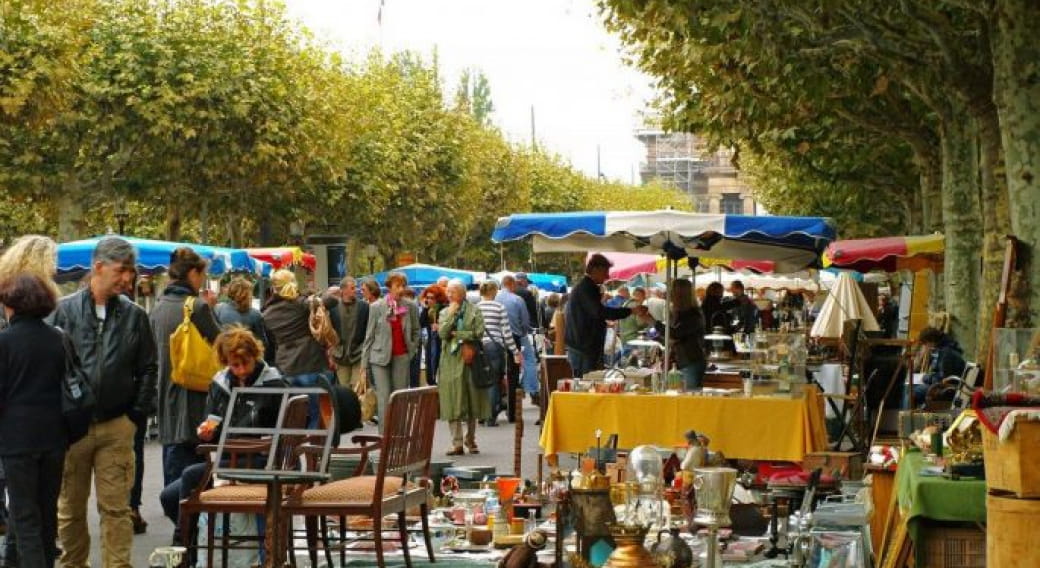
283	257
889	254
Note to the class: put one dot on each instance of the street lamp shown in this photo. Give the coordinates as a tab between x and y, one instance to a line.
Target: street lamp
121	214
371	251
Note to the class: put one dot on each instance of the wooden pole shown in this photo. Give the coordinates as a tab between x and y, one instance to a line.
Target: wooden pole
519	437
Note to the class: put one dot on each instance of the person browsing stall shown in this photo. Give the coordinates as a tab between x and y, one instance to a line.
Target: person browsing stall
586	329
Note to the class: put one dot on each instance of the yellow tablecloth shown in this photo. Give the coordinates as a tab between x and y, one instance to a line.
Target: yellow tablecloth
761	428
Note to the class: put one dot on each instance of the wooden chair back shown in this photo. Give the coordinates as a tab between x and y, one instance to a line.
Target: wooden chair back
408	426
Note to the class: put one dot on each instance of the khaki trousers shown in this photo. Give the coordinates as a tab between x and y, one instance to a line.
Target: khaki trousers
348	375
106	453
457	438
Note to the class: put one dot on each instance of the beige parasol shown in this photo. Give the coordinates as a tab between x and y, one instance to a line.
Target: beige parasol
844	302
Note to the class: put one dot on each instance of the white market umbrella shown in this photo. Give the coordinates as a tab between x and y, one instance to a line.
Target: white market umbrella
792	243
844	302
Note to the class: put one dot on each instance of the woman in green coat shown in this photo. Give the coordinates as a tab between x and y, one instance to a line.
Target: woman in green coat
460	400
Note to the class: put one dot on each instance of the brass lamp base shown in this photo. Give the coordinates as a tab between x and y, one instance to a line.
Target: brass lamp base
630	552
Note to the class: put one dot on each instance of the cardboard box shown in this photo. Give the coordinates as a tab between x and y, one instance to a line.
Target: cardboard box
843	465
1014	465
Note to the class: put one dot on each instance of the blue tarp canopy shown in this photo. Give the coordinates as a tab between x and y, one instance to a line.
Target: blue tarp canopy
420	275
793	243
154	256
542	280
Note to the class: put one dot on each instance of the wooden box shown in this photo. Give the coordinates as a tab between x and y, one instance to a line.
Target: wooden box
1011	528
1014	465
842	465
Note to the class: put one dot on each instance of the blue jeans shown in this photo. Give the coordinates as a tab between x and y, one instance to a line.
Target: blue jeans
580	362
529	380
177	457
693	374
309	380
433	357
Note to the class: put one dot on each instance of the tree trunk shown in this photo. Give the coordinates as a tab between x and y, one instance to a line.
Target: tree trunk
995	218
961	212
1016	52
173	223
930	167
70	210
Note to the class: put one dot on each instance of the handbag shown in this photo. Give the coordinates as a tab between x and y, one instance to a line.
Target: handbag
468	352
321	325
481	373
77	396
367	398
193	361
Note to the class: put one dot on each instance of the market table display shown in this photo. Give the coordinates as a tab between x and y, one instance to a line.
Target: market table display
936	498
762	428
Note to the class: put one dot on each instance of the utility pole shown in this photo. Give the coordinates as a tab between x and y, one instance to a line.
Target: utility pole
534	141
599	170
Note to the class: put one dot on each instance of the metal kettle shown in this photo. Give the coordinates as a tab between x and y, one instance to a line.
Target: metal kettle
672	551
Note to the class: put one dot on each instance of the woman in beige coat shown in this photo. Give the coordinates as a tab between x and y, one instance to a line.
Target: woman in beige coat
460	401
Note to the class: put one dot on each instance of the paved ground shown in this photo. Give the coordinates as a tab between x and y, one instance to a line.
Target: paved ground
496	447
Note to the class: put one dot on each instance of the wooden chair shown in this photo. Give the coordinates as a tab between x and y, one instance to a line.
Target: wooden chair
248	498
554	368
404	456
954	393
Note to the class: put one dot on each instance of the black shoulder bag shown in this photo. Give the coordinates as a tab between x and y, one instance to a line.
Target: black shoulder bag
77	396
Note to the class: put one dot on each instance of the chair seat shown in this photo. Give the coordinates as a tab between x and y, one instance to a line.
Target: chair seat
351	490
235	492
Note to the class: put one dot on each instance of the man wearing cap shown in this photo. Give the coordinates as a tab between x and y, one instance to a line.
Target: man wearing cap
529	378
586	316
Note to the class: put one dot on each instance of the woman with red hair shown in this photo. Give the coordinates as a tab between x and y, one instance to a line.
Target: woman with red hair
433	299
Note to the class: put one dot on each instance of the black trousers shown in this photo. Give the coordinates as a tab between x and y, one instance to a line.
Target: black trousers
34	483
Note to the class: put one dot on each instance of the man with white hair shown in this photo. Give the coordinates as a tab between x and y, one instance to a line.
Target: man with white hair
520	325
529	377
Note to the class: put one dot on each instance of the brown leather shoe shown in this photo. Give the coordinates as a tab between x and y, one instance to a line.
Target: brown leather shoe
472	447
457	451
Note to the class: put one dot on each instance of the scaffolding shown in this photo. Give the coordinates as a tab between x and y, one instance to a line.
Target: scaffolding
683	161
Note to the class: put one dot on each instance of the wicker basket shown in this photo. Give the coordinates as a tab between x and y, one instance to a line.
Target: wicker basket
953	545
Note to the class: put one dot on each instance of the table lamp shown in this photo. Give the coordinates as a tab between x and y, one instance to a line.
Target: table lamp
643	509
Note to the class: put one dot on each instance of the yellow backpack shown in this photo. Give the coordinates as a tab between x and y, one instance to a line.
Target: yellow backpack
193	360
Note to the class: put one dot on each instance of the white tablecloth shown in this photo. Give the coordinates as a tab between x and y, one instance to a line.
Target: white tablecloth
829	377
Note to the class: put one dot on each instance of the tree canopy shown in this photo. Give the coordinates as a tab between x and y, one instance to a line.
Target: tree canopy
227	121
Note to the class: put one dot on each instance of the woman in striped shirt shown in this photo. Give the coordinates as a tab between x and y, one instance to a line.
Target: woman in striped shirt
498	343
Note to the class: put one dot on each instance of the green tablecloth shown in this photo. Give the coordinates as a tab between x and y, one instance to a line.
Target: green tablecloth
936	498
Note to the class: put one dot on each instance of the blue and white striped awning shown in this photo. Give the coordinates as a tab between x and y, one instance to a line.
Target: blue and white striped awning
793	243
153	255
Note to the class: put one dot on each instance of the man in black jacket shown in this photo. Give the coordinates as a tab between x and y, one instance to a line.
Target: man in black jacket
350	319
586	317
114	341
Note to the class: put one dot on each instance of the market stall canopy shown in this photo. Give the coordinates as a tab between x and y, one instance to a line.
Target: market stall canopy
425	274
280	257
793	243
630	264
542	280
844	302
154	256
889	254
